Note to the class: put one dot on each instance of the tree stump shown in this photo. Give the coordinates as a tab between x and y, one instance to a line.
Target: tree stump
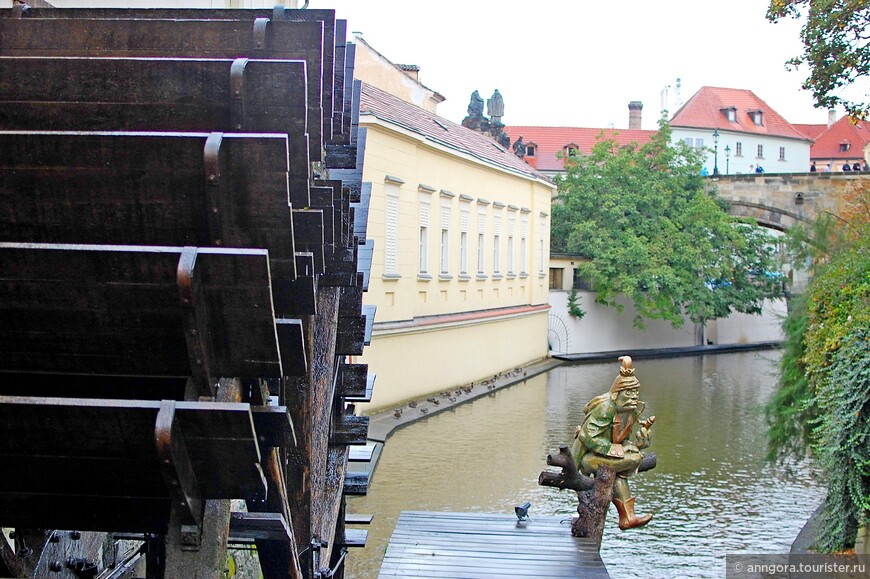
593	494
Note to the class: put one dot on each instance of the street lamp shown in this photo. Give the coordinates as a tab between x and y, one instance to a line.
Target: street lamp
715	152
727	157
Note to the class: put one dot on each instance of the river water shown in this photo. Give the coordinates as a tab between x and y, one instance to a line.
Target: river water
712	493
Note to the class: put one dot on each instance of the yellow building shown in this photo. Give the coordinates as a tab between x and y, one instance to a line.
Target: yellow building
461	231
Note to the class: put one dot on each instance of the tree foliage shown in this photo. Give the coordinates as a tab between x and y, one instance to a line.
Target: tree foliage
824	396
836	48
641	216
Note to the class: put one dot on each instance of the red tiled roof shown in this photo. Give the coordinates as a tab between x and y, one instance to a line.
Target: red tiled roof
811	131
391	109
550	141
855	133
705	110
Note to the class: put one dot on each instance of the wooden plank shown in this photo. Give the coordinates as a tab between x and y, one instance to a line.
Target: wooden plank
350	430
265	526
273	425
360	453
354	538
428	544
219	437
171	94
354	384
291	342
369	312
351	336
116	310
356	483
334	36
263	38
148	189
86	513
364	262
357	519
309	235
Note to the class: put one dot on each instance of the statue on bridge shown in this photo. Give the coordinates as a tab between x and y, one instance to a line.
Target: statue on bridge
607	450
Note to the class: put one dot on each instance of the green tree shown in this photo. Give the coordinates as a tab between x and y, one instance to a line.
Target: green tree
823	401
641	216
836	48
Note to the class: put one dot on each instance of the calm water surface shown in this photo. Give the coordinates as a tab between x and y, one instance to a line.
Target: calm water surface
711	493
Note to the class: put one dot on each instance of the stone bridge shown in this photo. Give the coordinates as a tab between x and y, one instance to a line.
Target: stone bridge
779	200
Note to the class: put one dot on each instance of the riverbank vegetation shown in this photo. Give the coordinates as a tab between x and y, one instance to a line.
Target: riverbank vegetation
823	402
650	232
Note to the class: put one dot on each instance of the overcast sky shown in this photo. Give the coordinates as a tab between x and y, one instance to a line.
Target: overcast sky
578	62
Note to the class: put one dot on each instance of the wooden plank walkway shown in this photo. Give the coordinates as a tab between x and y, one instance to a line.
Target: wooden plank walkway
480	545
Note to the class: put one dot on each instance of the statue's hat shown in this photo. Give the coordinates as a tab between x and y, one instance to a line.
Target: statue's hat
626	379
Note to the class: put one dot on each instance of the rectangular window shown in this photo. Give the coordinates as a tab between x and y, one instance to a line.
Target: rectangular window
463	253
496	243
689	141
424	249
512	225
463	241
445	255
391	234
556	274
530	151
760	152
481	241
699	143
444	260
524	234
510	254
481	255
580	282
738	149
423	254
782	153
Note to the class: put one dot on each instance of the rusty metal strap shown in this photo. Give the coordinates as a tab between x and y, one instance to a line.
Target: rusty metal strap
237	93
196	331
214	199
177	471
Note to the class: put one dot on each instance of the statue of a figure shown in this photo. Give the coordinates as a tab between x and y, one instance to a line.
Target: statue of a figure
475	107
520	148
613	434
495	107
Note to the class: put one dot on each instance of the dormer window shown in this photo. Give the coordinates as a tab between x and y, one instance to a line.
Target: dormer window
845	146
570	150
531	150
730	114
757	116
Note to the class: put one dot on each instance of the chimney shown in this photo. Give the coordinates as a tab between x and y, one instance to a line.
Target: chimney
832	117
634	108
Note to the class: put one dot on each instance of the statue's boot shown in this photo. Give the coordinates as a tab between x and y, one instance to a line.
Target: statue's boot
627	518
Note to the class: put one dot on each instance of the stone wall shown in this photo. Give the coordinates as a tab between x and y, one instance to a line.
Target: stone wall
781	200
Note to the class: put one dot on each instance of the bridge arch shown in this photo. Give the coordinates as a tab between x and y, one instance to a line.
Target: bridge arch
781	200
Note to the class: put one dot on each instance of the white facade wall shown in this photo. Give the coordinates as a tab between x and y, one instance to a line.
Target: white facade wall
797	152
603	329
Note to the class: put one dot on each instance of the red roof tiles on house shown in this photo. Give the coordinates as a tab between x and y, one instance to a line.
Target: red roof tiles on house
707	109
811	131
550	141
845	133
391	109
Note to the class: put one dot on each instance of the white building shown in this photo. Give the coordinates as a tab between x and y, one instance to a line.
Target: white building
742	131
